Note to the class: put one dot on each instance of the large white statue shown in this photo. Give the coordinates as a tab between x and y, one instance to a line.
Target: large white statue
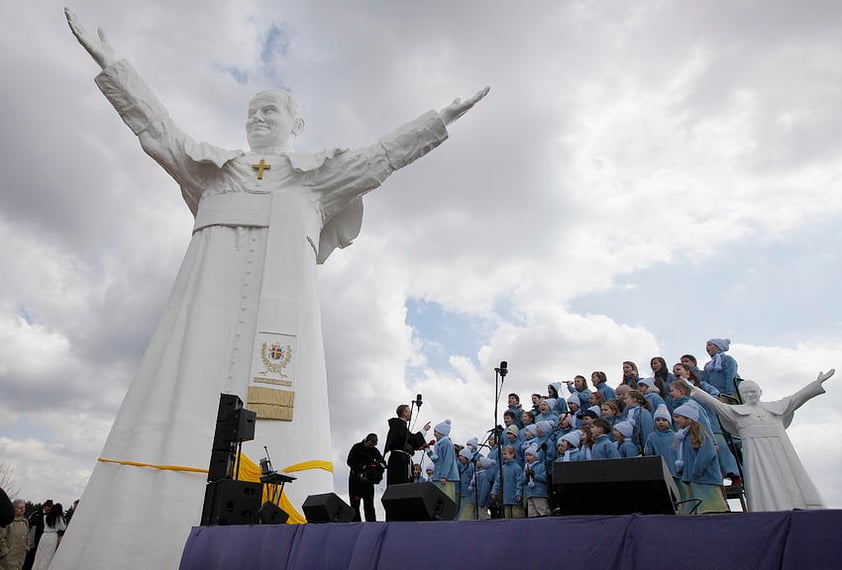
243	317
775	479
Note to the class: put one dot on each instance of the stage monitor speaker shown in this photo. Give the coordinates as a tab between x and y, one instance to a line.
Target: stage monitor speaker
270	513
614	487
327	507
230	502
418	502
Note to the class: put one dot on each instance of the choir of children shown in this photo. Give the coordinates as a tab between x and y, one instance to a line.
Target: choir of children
642	416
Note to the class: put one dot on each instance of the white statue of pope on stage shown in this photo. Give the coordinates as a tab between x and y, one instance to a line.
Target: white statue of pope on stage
775	479
243	317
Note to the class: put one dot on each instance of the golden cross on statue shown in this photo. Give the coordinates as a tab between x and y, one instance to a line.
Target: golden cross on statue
260	167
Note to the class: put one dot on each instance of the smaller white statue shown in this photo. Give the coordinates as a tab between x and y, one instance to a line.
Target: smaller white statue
775	479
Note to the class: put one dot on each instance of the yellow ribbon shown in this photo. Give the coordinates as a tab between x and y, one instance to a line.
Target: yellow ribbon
249	471
313	464
163	467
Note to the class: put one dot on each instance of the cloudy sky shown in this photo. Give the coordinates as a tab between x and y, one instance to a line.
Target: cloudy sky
643	176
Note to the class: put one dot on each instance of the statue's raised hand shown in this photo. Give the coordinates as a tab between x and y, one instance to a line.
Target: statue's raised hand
459	107
825	375
98	47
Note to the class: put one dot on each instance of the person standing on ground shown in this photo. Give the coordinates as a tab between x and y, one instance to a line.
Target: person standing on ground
54	527
14	539
36	526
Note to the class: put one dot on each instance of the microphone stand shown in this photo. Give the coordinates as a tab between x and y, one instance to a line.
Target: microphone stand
499	378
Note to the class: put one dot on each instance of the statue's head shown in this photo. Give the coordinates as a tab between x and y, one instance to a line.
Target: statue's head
273	117
750	392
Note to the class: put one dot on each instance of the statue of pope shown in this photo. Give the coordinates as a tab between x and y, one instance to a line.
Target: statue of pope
243	317
775	478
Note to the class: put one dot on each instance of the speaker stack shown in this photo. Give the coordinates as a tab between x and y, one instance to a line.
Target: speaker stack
228	501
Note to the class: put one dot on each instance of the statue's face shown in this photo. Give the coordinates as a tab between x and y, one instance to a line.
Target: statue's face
750	392
270	121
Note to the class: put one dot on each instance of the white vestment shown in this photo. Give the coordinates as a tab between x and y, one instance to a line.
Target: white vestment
250	268
775	479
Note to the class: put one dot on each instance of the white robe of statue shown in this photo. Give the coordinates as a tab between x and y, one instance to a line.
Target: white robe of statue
250	268
775	479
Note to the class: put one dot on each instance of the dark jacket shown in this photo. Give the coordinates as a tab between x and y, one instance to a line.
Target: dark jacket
366	463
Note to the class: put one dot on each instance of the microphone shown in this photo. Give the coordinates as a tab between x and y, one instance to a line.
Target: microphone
503	369
418	401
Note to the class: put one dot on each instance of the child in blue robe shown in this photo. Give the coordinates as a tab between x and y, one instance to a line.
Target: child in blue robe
696	464
600	382
579	387
603	447
623	432
512	486
535	487
574	406
530	436
483	479
443	455
721	371
545	412
514	437
493	448
568	446
559	405
515	408
467	503
639	416
650	391
660	442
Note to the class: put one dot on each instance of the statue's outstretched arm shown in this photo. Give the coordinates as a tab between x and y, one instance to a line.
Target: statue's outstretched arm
98	47
701	395
459	107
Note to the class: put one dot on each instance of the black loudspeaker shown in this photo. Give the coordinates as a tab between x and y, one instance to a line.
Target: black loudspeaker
233	422
327	508
418	502
222	464
614	487
231	502
270	513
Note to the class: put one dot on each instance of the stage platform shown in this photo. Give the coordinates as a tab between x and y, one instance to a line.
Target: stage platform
793	540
